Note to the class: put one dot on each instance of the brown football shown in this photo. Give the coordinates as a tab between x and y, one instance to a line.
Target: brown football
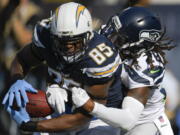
38	105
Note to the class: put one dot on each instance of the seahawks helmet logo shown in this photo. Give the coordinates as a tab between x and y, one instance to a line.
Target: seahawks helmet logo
150	35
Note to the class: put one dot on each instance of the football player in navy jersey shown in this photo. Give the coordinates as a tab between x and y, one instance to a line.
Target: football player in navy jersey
139	37
71	50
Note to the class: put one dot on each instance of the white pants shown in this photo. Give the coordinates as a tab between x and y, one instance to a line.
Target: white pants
160	126
144	129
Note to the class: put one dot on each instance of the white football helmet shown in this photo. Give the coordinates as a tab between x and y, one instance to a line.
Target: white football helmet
71	28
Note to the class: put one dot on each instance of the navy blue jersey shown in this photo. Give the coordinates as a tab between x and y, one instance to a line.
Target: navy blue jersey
99	64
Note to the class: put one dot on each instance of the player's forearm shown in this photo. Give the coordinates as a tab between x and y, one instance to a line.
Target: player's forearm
123	118
63	123
60	124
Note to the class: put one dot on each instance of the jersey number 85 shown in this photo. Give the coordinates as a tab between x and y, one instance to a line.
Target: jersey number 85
101	53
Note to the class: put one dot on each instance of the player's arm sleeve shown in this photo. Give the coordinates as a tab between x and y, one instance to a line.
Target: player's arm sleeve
122	118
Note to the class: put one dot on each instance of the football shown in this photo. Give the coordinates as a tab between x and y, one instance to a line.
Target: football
38	105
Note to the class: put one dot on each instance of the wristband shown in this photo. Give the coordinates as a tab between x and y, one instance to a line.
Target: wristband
29	126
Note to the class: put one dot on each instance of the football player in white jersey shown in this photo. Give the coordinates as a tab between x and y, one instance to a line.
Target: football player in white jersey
139	36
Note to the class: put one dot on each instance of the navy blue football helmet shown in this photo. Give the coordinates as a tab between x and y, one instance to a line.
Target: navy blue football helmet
135	29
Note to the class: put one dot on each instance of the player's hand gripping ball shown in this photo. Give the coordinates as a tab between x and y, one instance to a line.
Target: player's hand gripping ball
38	105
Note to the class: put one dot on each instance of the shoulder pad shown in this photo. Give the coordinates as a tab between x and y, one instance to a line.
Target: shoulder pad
144	75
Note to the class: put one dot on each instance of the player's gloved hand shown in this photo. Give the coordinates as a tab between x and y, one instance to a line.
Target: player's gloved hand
57	97
79	96
18	90
19	116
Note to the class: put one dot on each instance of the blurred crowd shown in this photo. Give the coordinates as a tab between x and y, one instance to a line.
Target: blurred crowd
17	21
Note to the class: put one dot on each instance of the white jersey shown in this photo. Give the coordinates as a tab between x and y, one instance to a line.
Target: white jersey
142	76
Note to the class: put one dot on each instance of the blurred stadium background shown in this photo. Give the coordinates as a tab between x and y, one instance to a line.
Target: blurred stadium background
18	18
